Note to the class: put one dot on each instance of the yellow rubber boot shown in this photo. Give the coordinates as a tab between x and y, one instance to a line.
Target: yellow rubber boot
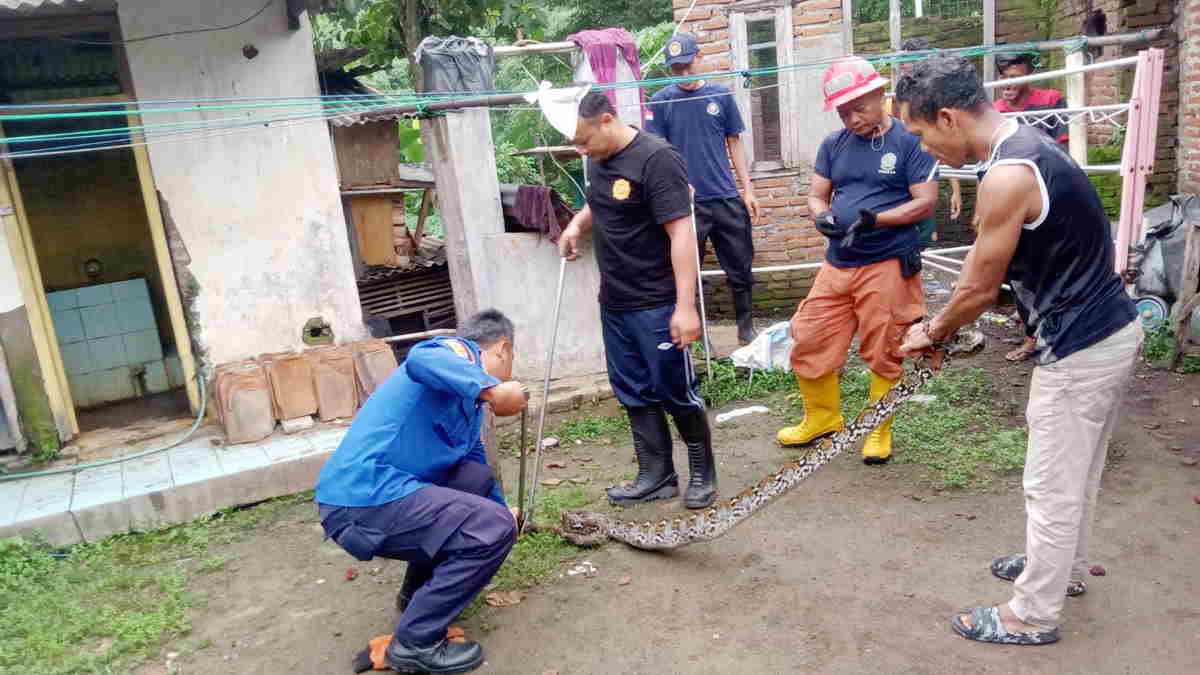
878	447
822	411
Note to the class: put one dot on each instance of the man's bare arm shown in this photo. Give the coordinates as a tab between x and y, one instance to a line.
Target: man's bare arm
820	195
920	207
1008	198
737	155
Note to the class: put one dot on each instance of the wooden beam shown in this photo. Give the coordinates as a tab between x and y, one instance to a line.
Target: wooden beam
738	43
41	324
426	200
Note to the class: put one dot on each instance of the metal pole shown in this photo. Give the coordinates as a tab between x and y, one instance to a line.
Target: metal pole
521	476
1052	74
537	453
700	291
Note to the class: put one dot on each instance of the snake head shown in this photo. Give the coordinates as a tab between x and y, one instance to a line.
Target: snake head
584	528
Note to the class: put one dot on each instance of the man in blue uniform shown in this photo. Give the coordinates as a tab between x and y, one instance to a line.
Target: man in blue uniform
639	212
410	481
702	120
1040	221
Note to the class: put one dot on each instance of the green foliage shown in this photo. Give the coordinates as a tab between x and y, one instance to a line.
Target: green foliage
589	428
387	30
728	383
107	605
870	11
1159	344
1108	185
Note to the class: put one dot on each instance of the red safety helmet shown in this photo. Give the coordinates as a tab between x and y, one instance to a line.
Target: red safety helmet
847	79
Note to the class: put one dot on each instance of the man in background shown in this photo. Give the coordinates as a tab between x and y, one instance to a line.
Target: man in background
702	120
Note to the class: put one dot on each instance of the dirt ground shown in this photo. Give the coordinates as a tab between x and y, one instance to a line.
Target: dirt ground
856	571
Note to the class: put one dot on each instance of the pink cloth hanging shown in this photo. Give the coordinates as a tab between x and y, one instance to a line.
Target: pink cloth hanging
598	45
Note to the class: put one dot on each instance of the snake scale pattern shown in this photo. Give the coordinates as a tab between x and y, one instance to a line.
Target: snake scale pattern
590	528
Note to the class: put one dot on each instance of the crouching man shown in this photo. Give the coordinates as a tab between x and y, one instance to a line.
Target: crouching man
410	481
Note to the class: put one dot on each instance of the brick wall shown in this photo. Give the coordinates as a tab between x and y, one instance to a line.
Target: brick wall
784	234
1188	151
1026	20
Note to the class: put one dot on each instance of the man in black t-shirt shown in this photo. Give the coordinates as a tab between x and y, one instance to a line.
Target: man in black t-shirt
1041	224
639	210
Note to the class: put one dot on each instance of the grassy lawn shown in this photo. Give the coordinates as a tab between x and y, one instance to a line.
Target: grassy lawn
104	606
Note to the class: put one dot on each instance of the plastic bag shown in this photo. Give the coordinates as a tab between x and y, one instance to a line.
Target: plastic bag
457	64
771	350
1161	256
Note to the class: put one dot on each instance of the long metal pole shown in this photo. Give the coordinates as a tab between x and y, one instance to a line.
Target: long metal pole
537	453
700	292
522	511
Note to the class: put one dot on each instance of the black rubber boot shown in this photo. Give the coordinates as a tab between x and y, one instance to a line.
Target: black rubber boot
656	477
743	310
443	657
415	576
702	468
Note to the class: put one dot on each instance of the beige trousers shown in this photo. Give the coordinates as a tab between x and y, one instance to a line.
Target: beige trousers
1073	407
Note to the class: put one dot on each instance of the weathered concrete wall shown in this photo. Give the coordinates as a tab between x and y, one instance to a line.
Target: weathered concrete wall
523	269
258	210
37	421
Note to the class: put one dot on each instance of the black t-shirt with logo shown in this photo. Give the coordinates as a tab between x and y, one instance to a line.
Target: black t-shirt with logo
632	195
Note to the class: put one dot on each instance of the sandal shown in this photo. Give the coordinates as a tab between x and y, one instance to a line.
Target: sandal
986	626
1009	567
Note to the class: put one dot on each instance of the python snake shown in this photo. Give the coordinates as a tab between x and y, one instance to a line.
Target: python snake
591	528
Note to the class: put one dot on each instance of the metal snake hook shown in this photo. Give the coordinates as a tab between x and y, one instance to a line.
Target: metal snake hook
537	453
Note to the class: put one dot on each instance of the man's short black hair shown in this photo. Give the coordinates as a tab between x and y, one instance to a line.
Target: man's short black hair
1007	59
486	328
918	44
941	82
594	104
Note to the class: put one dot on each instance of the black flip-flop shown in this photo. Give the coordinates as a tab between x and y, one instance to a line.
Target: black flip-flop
1009	567
986	626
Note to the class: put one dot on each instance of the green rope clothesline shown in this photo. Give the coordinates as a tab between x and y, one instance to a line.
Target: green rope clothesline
385	100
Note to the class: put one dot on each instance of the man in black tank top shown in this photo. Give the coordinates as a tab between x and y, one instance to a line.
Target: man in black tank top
1041	225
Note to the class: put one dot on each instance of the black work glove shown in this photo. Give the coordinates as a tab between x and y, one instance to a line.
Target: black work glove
865	222
828	226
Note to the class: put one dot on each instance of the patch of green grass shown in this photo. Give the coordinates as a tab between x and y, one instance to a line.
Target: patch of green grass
1159	344
103	607
536	555
1190	365
960	436
729	384
589	428
89	612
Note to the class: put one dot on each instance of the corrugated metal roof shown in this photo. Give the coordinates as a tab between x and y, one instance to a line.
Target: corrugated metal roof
347	111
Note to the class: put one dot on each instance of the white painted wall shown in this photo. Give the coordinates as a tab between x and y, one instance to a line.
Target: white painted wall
258	210
523	268
10	287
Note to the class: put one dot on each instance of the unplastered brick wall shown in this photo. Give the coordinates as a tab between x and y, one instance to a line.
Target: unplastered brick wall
1188	150
1029	20
784	233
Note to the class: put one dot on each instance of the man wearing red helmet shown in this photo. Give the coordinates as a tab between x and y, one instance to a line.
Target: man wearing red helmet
872	183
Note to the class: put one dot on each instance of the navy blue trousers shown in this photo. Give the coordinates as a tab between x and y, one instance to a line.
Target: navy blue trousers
454	539
644	368
726	222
